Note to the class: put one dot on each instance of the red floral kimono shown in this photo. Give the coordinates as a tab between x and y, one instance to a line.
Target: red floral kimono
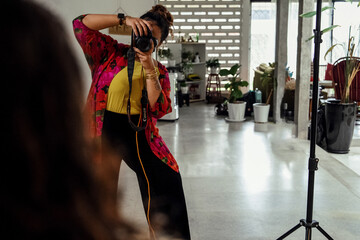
106	57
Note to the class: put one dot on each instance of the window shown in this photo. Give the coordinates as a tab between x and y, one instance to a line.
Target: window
341	34
217	22
263	31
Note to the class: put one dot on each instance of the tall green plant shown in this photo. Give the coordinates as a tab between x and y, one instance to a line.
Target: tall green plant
312	14
234	83
352	65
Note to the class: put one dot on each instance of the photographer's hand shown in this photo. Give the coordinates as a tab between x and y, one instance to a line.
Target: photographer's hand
102	21
138	25
152	80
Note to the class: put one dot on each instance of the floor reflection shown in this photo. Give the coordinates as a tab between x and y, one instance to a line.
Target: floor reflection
249	181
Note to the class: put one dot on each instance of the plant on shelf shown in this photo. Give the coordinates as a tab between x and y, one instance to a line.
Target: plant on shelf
187	56
165	53
187	68
234	83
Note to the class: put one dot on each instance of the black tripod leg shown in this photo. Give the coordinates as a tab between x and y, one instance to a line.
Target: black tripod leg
324	233
308	233
289	232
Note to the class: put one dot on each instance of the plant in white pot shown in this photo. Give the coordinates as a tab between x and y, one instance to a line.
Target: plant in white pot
213	64
236	108
261	110
184	87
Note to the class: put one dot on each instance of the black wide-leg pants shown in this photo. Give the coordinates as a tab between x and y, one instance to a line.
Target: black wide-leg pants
167	200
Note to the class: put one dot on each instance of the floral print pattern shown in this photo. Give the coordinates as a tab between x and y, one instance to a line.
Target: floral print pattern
106	57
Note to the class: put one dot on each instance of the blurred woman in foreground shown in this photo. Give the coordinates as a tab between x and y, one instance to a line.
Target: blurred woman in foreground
50	189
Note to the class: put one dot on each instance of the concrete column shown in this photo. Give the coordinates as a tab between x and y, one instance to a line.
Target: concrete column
282	13
245	40
303	70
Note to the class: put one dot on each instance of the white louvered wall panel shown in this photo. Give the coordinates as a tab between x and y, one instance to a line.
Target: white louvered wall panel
218	23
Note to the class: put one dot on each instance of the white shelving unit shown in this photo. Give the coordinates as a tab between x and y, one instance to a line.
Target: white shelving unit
197	88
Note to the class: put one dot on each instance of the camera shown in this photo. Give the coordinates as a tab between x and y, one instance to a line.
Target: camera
143	43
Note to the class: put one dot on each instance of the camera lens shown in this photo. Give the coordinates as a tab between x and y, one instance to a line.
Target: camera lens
143	42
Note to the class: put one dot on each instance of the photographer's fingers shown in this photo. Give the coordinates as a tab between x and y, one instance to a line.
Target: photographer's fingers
142	27
145	59
133	23
138	25
148	24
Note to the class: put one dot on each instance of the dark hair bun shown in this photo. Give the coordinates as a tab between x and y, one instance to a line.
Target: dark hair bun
161	10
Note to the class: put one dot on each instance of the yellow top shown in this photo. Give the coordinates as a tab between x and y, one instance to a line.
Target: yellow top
118	94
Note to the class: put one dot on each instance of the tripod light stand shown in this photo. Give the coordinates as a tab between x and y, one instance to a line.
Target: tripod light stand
309	223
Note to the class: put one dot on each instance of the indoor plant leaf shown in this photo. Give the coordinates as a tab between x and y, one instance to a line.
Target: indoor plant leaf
308	14
324	31
234	69
329	28
224	72
313	13
330	49
227	86
244	84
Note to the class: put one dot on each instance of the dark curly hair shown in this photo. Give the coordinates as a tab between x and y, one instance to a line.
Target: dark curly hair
163	19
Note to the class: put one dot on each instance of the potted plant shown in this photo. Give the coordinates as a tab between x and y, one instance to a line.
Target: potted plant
261	110
187	68
340	114
265	84
213	64
166	53
186	56
236	108
184	87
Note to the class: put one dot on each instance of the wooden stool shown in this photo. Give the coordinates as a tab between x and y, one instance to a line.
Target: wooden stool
213	89
183	97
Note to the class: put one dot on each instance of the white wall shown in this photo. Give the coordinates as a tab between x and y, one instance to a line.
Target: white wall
67	10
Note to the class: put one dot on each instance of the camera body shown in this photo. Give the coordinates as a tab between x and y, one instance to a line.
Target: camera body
143	43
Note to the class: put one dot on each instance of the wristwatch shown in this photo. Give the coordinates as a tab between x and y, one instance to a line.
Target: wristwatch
121	18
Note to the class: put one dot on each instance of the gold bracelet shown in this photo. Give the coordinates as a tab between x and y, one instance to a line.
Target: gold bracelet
152	74
153	77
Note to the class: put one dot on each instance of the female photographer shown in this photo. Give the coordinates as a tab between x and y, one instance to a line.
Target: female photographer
114	112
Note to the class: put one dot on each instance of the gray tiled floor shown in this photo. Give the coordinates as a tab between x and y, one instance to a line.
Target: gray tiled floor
248	181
